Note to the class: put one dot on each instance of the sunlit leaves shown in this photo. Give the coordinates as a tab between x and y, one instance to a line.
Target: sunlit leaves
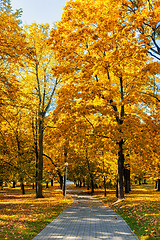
23	216
107	76
141	210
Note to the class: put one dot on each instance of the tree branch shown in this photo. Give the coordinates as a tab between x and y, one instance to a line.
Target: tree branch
154	55
50	99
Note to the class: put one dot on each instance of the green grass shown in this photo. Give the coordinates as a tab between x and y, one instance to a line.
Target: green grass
24	216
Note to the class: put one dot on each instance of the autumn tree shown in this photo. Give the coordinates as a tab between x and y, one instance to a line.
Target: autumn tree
16	146
12	49
106	70
145	21
54	149
84	150
40	85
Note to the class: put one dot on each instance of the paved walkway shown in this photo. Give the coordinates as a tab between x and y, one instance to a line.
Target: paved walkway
88	219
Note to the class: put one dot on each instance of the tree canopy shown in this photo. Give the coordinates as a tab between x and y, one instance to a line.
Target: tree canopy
85	92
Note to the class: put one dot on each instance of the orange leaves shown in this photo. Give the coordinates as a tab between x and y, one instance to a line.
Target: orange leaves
22	216
106	71
141	210
13	45
12	50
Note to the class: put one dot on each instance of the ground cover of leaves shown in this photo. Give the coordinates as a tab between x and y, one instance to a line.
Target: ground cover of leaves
24	216
140	209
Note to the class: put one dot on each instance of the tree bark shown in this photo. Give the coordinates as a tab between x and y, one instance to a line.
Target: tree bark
119	118
144	182
22	188
120	170
90	174
36	151
84	183
105	193
127	180
1	185
117	187
65	160
40	160
92	184
104	179
51	182
35	137
47	185
14	184
158	185
155	184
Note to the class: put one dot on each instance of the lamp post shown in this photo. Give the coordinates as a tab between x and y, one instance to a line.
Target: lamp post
65	178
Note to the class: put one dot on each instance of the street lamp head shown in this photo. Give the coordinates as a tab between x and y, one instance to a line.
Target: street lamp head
66	164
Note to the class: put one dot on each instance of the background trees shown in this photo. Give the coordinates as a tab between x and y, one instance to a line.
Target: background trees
42	85
145	21
104	114
13	49
27	88
107	71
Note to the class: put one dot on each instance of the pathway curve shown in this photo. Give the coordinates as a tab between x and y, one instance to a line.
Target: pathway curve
88	219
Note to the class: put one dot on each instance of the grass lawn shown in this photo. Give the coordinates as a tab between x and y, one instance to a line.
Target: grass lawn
140	209
24	216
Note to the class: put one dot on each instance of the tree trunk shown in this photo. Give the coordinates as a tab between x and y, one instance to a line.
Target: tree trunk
14	184
117	186
105	186
36	150
61	181
47	185
158	185
65	160
1	185
90	174
80	183
51	182
92	184
120	143
127	180
40	160
120	170
22	188
144	182
155	184
84	184
104	179
35	136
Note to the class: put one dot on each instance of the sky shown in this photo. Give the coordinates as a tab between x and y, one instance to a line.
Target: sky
40	11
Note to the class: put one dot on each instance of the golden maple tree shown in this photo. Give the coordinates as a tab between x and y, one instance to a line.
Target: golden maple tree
40	85
106	70
12	49
107	100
